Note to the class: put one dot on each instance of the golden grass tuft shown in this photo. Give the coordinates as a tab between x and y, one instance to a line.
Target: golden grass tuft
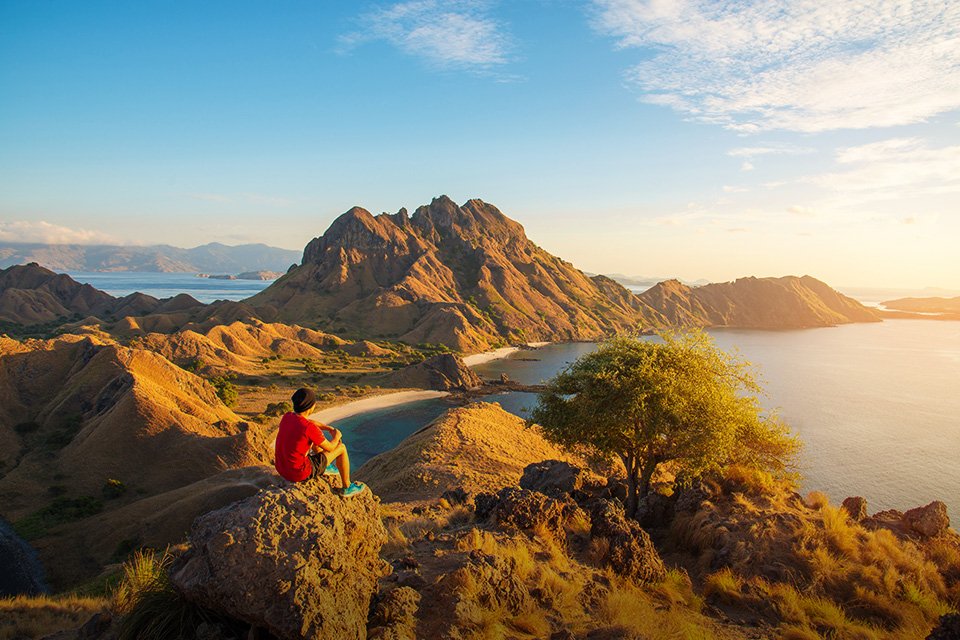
39	616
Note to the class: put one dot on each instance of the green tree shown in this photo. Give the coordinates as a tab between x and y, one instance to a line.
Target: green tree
680	400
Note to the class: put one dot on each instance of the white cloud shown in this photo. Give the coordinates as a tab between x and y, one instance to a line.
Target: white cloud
802	211
799	65
752	152
47	233
894	168
732	189
747	166
450	34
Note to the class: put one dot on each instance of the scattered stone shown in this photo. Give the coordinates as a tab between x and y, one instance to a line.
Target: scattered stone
504	378
553	478
455	496
396	615
631	552
484	504
692	497
297	560
856	508
930	521
947	629
528	510
412	579
655	511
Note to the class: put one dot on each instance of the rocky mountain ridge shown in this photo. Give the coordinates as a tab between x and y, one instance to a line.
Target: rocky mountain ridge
468	277
213	257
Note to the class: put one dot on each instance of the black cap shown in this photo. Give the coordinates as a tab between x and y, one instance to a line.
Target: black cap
303	399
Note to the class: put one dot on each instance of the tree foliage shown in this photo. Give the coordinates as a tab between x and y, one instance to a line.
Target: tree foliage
679	400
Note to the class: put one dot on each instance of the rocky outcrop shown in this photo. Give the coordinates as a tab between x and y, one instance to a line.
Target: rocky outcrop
297	560
929	521
856	508
442	372
630	551
394	616
948	628
555	478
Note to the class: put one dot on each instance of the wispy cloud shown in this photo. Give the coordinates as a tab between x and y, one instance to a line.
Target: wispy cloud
799	65
802	211
753	152
893	168
448	34
47	233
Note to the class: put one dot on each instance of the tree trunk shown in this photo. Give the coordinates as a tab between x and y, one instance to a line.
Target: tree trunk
629	462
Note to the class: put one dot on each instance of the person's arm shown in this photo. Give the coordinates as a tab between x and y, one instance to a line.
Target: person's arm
323	443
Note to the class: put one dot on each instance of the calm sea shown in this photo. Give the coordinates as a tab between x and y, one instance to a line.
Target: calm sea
878	405
166	285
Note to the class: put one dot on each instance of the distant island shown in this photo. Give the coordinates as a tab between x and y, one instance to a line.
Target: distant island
246	275
161	258
936	307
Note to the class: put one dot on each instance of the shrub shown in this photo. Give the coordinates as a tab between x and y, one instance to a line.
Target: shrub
60	511
226	391
113	489
152	608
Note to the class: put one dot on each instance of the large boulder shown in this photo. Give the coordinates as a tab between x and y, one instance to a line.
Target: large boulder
630	551
554	478
931	520
298	560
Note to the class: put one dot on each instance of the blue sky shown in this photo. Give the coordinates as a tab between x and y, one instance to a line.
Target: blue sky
687	138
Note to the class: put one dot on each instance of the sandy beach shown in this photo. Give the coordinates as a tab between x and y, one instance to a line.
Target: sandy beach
369	404
496	354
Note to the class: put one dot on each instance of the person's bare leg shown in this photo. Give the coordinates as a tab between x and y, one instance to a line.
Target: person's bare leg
343	463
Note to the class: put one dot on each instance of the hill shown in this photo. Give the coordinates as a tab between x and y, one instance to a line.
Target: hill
209	258
467	277
760	303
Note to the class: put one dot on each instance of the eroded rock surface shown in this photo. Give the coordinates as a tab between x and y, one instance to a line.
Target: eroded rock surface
298	560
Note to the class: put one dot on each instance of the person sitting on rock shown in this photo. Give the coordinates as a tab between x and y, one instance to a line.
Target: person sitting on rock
302	451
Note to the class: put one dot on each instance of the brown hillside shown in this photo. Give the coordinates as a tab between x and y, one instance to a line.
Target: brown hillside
479	447
788	302
463	276
31	294
79	411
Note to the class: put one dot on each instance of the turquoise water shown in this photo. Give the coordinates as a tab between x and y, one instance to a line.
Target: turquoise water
878	404
166	285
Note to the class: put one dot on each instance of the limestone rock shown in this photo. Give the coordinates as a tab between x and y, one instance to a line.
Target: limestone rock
856	508
631	552
931	520
655	510
690	498
297	560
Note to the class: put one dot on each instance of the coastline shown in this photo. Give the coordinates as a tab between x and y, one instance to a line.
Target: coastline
497	354
378	402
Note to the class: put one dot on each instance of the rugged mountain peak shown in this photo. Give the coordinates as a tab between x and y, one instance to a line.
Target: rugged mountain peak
473	223
358	229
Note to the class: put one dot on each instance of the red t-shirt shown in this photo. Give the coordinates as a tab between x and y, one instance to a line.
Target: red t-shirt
294	438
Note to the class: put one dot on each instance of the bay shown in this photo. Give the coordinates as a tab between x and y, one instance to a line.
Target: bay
877	404
166	285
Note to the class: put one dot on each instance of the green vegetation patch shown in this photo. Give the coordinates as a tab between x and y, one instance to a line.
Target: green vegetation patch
60	511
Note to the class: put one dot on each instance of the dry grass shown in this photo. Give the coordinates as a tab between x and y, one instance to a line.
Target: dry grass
807	567
568	593
39	616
